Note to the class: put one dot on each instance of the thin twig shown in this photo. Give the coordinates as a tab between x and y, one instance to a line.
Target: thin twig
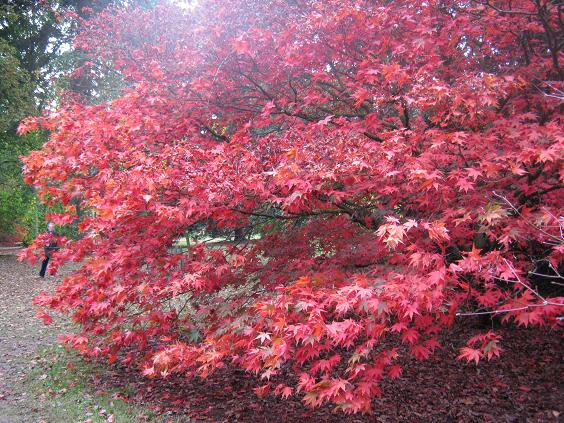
535	293
525	220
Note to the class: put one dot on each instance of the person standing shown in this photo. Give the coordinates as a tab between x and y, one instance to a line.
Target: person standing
49	248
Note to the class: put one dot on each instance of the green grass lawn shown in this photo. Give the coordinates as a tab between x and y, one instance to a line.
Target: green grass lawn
182	242
63	384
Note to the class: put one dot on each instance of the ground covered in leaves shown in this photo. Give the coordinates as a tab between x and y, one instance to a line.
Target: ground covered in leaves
525	385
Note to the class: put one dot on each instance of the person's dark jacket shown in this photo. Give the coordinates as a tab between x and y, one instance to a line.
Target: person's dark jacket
52	245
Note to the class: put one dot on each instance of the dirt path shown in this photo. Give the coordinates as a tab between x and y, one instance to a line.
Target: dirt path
21	335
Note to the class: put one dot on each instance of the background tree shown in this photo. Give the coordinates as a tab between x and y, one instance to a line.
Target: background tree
38	63
16	102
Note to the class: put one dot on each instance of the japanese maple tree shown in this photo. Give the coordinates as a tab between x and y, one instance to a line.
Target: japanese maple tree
399	163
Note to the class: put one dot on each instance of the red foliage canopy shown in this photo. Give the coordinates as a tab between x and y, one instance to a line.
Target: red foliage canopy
401	161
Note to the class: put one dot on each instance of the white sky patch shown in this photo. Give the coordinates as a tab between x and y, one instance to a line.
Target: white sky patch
185	4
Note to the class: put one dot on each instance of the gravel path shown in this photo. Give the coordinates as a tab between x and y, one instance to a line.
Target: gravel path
21	335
